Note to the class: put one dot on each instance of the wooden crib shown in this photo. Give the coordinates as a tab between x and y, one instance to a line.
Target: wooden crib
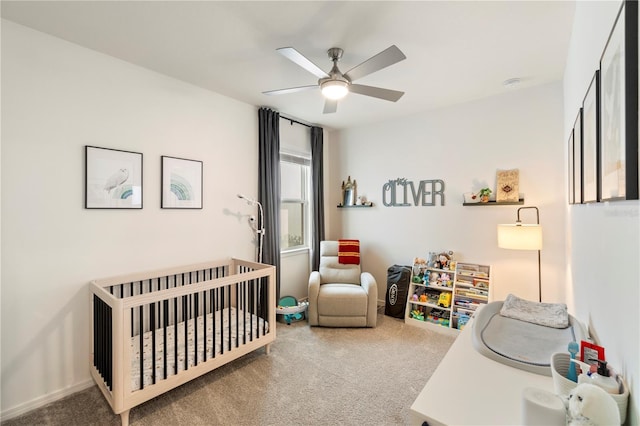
154	331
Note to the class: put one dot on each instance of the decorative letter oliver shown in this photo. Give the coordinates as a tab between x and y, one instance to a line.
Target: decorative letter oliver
424	195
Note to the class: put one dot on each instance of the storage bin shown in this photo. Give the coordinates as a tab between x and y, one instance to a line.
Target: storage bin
560	366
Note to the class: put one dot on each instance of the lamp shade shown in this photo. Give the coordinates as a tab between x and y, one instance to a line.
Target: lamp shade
520	236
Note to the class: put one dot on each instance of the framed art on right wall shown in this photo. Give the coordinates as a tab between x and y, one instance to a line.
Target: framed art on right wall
618	177
590	141
577	159
571	175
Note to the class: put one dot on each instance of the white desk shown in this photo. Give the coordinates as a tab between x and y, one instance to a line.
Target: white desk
470	389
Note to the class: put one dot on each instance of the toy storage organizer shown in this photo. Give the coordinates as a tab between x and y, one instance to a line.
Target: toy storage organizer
154	331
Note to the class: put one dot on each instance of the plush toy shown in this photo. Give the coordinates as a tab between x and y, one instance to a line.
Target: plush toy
446	279
414	297
423	297
590	405
420	261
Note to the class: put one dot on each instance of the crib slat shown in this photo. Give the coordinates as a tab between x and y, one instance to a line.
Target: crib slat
186	330
229	316
108	345
204	325
237	317
175	335
214	309
141	335
244	309
152	319
165	324
195	330
222	301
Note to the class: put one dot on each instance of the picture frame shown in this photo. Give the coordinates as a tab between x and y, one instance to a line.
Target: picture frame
571	176
113	179
577	159
618	153
591	141
181	183
589	352
508	186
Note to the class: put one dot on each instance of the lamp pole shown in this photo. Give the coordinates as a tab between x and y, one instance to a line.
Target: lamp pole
519	222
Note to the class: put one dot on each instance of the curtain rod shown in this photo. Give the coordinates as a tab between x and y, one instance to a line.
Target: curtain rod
295	121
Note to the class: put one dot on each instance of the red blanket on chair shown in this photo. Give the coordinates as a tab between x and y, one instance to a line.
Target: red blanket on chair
349	252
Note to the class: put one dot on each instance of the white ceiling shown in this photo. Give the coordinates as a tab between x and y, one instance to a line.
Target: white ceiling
456	51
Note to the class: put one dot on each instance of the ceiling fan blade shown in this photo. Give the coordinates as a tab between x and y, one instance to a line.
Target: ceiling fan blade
290	90
376	92
387	57
330	106
297	57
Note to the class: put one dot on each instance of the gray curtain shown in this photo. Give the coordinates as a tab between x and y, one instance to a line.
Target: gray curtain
317	190
269	187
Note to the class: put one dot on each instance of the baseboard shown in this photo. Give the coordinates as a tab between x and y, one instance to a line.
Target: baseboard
44	400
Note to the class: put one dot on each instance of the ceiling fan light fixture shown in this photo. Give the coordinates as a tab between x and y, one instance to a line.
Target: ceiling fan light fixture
334	89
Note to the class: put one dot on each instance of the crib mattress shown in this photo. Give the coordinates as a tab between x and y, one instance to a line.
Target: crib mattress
251	326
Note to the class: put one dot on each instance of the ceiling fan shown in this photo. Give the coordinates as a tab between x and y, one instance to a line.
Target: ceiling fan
334	84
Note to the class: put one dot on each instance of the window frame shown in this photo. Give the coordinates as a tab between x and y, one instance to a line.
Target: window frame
304	161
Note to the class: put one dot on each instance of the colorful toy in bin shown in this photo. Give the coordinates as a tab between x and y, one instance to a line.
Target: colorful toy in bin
445	299
463	319
416	314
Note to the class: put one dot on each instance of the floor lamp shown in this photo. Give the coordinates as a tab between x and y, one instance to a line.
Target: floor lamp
259	231
521	236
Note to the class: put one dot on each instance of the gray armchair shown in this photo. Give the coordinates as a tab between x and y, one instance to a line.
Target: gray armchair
341	295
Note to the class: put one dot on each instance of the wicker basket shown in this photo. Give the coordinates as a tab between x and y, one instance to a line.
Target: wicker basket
560	366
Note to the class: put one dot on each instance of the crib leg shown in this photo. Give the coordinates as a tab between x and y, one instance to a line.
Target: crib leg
124	417
267	348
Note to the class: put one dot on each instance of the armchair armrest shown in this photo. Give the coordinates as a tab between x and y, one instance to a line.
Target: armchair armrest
314	289
369	284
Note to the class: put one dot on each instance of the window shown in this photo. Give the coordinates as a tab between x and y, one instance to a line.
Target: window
294	210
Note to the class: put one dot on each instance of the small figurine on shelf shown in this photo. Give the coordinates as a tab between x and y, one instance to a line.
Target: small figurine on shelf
484	195
433	278
414	297
423	298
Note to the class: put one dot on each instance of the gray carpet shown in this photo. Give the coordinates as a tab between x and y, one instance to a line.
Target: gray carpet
313	376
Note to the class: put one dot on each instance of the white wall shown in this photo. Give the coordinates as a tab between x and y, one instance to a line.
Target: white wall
604	238
463	146
57	98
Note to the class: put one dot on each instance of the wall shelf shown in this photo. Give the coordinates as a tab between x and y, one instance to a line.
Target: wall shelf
494	203
340	206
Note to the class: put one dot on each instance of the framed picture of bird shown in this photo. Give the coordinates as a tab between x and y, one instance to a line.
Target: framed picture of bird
113	179
181	183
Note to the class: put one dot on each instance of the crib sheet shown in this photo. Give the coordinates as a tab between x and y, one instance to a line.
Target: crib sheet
222	328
